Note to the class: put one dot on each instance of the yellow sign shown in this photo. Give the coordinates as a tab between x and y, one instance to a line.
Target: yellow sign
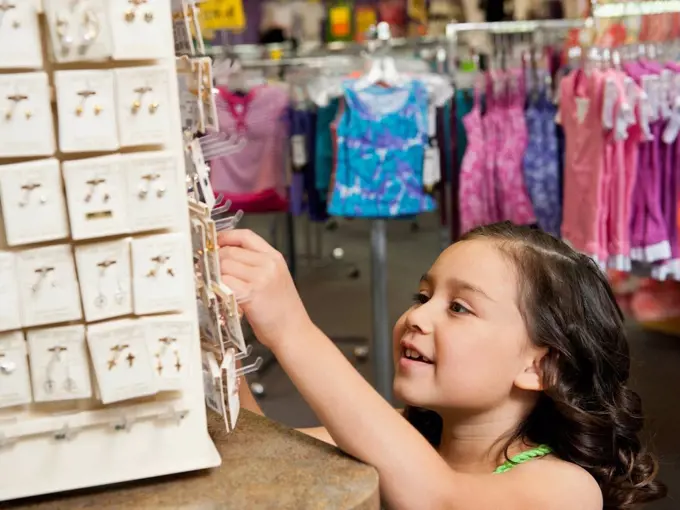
223	15
340	19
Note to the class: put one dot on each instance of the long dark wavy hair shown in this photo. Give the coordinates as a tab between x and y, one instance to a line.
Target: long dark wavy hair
587	414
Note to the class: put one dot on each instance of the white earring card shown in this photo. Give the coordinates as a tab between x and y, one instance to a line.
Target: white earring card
20	44
33	204
99	343
26	127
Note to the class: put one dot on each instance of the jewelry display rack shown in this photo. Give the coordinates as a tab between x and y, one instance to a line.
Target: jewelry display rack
101	377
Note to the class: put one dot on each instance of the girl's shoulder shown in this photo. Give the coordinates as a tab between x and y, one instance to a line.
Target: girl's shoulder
559	484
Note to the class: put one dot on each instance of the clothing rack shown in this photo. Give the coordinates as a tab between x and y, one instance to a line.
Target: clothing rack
497	27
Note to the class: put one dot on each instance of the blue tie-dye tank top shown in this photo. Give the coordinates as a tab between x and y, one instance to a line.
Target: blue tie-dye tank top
381	140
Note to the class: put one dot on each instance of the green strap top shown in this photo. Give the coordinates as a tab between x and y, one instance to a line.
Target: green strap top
534	453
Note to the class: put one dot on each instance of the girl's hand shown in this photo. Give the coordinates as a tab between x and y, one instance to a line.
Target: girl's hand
264	288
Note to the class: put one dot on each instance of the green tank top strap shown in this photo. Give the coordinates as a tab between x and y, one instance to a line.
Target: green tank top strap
535	453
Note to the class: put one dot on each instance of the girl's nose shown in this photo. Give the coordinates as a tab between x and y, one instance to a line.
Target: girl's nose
419	321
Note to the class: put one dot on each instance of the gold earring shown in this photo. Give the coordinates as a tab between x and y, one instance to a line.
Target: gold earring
152	108
136	106
148	17
97	109
29	114
79	111
151	273
130	16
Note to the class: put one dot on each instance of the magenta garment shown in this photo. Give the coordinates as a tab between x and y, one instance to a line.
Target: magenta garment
492	123
515	204
474	179
255	176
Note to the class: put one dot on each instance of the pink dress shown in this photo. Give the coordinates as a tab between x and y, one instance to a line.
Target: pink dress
493	132
473	181
581	116
514	201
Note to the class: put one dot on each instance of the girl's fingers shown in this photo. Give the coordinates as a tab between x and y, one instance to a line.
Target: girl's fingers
237	269
245	239
240	288
238	254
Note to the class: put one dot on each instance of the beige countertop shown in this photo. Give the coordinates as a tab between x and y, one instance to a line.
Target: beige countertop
264	466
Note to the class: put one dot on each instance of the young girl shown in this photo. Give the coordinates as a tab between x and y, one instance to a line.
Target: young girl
513	362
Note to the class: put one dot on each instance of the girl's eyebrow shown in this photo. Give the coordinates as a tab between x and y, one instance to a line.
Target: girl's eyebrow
456	283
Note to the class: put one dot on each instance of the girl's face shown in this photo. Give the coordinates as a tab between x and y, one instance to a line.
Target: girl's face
465	330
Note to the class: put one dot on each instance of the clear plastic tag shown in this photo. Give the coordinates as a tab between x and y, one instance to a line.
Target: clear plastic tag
232	319
203	174
233	400
431	168
299	151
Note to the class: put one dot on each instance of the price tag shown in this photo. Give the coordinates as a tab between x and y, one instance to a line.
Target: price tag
431	120
299	151
431	168
223	15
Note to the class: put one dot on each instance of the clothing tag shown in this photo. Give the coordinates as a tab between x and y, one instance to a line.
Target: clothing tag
666	98
673	126
675	86
582	105
621	132
645	116
649	85
610	96
299	151
431	168
431	120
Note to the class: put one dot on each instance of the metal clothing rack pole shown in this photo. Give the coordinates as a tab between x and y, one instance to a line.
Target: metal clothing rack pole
383	368
495	27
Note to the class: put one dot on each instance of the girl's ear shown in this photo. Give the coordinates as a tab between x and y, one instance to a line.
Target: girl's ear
531	378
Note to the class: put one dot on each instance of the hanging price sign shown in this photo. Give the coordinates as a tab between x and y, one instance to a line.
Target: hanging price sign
223	15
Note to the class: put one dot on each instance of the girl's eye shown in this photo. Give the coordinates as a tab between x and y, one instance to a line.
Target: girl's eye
456	307
420	298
